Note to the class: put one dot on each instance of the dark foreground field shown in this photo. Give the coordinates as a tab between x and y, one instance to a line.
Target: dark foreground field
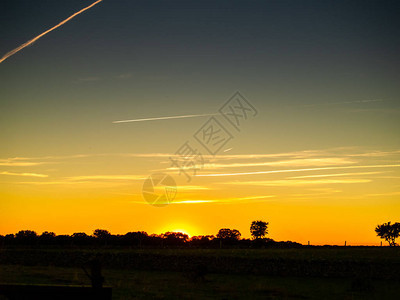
306	273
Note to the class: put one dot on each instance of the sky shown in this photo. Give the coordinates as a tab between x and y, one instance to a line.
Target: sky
315	151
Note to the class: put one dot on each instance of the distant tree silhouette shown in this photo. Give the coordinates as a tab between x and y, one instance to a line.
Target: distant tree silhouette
9	238
22	234
26	237
47	237
47	234
135	238
81	238
228	234
79	235
201	238
174	238
389	232
226	237
258	229
101	234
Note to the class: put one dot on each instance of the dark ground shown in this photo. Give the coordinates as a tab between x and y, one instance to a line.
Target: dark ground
306	273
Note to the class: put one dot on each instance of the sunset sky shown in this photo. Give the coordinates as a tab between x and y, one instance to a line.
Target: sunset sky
318	157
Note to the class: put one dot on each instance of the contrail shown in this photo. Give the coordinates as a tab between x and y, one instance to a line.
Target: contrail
30	42
164	118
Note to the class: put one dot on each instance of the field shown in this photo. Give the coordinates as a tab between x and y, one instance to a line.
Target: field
305	273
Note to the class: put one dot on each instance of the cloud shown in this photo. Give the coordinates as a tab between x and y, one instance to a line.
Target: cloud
291	182
335	175
223	200
19	164
30	42
293	163
312	154
163	118
23	174
107	177
296	170
192	188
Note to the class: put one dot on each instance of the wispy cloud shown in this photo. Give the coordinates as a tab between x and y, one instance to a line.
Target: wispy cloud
192	188
293	163
335	175
292	182
383	194
223	200
19	164
30	42
23	174
163	118
342	153
106	177
296	170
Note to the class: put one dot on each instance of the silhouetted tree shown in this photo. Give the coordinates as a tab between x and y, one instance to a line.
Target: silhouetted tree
81	238
228	234
258	229
47	234
389	232
26	236
79	235
135	238
101	234
174	238
47	237
201	240
9	239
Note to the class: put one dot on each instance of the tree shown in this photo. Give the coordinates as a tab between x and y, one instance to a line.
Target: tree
47	237
228	234
259	229
135	237
26	236
101	234
175	238
389	232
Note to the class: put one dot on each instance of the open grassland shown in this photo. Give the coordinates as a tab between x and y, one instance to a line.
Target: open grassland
305	273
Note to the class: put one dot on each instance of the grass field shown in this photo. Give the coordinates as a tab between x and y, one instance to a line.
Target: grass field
166	279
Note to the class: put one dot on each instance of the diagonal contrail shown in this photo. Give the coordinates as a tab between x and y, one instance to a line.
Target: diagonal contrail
30	42
164	118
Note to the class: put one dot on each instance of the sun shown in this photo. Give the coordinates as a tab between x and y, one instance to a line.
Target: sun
184	228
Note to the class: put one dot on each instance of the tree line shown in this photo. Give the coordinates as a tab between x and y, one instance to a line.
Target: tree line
224	237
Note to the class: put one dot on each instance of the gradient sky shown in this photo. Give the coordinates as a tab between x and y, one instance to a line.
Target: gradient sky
323	76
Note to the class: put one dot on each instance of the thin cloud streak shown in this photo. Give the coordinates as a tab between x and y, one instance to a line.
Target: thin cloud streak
298	155
226	200
20	164
24	174
163	118
291	182
106	177
293	163
335	175
30	42
296	170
